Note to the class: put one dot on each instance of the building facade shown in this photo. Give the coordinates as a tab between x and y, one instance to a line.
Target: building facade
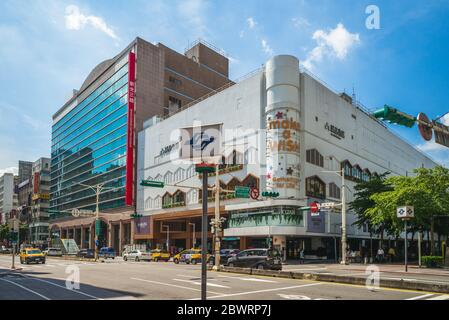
94	133
282	129
25	168
8	198
40	201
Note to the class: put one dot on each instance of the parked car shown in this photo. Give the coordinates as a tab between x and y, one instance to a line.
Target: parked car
86	253
257	259
29	255
5	250
137	255
53	252
225	254
160	255
106	253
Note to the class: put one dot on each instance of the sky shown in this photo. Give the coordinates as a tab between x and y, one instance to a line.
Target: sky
395	53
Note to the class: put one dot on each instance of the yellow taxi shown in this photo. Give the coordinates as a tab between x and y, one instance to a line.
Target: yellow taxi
29	255
189	256
159	255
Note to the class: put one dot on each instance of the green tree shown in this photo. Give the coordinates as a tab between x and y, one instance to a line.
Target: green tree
362	202
4	232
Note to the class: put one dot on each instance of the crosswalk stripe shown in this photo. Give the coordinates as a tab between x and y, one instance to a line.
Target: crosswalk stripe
443	297
199	283
420	297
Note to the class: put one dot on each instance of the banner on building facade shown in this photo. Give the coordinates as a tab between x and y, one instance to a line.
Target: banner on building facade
129	194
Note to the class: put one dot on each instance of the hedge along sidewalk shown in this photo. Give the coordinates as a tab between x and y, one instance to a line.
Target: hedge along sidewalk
383	283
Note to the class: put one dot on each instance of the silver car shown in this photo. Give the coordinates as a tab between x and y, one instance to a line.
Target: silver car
137	255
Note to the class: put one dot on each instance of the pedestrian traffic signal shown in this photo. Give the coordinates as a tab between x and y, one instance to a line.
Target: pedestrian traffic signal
393	115
268	194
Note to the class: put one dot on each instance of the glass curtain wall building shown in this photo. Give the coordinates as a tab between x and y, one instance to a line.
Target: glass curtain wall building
89	146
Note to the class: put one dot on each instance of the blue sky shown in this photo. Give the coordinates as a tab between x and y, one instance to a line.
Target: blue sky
48	48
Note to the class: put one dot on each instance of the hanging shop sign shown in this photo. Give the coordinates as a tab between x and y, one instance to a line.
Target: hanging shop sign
335	132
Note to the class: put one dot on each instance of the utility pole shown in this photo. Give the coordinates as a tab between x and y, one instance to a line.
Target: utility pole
193	236
217	219
343	217
168	237
419	248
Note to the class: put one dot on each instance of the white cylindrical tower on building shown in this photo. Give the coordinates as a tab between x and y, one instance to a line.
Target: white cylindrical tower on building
283	126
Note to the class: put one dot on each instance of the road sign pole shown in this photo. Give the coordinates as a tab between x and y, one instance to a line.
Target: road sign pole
204	240
405	242
13	256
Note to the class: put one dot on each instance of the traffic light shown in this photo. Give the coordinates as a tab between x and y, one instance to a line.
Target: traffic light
151	183
268	194
393	115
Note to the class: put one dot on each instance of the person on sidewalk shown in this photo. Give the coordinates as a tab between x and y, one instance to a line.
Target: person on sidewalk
380	255
301	256
391	254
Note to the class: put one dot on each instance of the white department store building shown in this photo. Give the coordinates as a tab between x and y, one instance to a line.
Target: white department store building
289	129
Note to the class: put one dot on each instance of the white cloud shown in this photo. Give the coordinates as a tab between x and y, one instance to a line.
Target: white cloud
266	47
251	22
75	20
445	119
335	43
192	11
300	22
13	170
436	151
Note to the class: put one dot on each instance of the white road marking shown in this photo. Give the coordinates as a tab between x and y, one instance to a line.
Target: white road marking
25	288
261	291
444	297
63	287
249	279
172	285
420	297
199	283
305	269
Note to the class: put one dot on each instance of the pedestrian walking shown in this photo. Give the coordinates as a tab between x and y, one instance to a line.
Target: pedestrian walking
391	254
380	255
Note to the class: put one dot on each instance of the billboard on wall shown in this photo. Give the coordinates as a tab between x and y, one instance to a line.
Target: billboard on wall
316	222
129	194
201	142
142	226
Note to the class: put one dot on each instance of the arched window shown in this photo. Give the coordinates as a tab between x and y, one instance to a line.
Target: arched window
348	168
232	184
334	191
357	172
314	157
167	199
315	187
250	181
366	175
179	198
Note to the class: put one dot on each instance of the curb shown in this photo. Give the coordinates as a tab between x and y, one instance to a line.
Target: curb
383	283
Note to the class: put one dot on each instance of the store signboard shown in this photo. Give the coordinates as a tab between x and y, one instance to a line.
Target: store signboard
201	142
129	195
315	222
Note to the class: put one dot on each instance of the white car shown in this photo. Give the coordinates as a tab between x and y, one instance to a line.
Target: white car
137	255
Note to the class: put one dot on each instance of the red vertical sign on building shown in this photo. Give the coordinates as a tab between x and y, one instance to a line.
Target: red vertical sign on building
129	196
36	182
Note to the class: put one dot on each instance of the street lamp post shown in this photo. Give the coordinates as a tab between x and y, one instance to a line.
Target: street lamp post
97	189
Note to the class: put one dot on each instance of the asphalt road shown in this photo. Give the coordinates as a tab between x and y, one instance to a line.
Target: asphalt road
116	279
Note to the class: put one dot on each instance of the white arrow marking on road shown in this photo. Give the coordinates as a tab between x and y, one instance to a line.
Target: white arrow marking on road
261	291
199	283
25	288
